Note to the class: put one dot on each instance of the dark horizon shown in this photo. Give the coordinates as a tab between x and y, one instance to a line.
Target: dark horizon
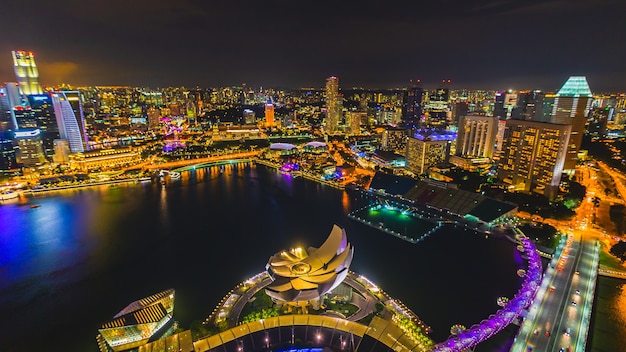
485	44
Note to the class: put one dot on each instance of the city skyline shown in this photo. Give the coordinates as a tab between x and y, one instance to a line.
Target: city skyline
478	45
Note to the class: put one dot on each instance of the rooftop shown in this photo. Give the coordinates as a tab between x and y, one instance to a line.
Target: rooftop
575	86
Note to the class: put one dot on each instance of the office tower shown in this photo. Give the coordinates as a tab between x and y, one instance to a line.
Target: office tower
26	72
61	151
9	99
389	116
153	117
355	120
8	161
269	114
525	104
518	111
498	106
24	117
459	109
69	116
544	106
412	107
427	148
598	119
42	112
571	105
533	156
440	94
499	142
333	111
30	150
476	136
394	139
249	117
438	108
6	113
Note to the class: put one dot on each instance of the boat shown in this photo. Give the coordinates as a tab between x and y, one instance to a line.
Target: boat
6	195
174	175
34	206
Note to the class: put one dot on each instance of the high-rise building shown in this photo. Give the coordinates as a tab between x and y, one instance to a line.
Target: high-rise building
394	140
438	108
499	110
249	117
333	108
427	148
30	149
69	116
153	117
544	107
26	72
61	151
43	114
355	120
9	99
24	117
476	136
412	107
6	116
598	120
571	107
526	106
8	161
459	109
269	114
533	156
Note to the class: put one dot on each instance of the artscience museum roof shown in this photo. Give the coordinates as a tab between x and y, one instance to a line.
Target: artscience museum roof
300	274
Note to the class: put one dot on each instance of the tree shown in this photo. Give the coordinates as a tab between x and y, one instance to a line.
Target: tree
619	250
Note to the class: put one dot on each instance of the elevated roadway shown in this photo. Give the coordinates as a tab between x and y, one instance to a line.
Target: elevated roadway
558	319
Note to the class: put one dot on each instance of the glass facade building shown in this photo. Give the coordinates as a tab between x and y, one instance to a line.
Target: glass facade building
26	72
69	116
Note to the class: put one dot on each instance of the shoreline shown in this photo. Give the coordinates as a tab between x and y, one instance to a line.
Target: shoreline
33	192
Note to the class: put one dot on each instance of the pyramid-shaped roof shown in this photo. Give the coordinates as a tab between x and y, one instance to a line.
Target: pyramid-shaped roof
575	86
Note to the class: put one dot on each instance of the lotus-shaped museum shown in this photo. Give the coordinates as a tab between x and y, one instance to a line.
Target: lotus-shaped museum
301	276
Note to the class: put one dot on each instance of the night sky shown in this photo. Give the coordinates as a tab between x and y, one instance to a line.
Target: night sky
487	44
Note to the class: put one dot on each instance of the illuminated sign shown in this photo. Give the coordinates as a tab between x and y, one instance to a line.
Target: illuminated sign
39	97
27	134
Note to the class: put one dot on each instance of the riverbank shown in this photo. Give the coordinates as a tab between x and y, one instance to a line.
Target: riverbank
85	185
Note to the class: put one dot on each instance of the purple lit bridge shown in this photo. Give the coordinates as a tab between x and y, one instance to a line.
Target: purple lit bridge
480	332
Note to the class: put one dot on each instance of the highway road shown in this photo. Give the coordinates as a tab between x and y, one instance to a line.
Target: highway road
558	319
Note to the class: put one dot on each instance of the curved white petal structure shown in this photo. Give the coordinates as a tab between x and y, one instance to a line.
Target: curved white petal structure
300	275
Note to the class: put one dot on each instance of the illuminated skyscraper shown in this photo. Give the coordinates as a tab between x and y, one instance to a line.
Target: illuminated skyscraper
69	114
394	140
6	117
30	150
9	99
533	156
476	136
269	114
570	108
333	111
598	119
412	107
438	107
26	72
427	148
8	162
476	141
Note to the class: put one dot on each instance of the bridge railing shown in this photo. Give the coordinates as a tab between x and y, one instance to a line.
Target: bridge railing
511	310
